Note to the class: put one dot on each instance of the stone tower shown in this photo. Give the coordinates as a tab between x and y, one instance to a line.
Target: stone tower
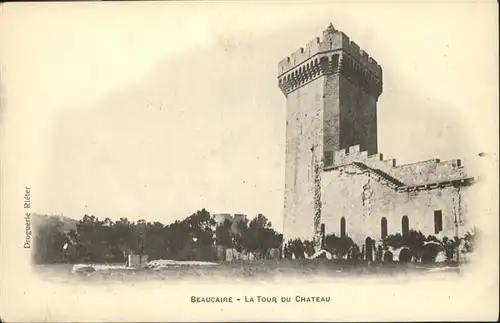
331	88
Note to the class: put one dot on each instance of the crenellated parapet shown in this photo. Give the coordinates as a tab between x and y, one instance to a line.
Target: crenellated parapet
421	174
343	157
335	53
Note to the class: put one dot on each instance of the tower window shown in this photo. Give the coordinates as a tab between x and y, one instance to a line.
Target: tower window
342	227
405	223
324	62
438	221
322	235
335	61
328	158
383	227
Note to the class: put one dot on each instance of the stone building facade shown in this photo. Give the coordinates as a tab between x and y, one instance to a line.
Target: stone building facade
336	181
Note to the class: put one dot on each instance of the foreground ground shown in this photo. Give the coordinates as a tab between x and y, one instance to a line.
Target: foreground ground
258	269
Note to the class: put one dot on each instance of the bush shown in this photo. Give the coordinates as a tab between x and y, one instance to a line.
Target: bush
339	246
427	248
298	249
450	247
309	248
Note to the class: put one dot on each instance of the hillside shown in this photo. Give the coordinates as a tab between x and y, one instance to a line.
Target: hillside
40	220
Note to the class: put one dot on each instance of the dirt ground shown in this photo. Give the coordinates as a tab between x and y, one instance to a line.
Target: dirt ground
258	269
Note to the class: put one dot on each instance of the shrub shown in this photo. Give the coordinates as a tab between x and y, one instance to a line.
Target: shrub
298	248
309	247
450	247
414	241
339	246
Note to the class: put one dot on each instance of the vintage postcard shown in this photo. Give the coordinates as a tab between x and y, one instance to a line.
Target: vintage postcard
249	161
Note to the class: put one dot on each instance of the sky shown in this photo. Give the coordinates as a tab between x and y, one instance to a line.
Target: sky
155	110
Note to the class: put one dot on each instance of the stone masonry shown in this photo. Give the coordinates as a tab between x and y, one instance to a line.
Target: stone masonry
334	175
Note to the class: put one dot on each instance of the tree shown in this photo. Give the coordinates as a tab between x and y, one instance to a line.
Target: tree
192	238
414	241
200	226
339	246
288	249
124	238
309	247
470	239
297	248
49	240
259	237
153	240
450	247
178	240
240	235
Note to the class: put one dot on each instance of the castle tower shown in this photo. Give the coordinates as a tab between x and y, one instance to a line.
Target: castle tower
331	88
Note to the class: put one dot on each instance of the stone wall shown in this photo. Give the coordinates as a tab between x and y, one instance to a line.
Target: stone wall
331	113
304	145
429	171
363	202
422	172
365	195
358	116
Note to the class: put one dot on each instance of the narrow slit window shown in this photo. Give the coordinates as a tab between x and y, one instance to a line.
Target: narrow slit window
438	221
383	227
405	223
335	61
322	235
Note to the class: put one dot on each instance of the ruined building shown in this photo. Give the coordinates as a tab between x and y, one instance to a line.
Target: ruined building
336	181
233	220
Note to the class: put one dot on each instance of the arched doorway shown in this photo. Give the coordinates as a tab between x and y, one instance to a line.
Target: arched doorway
369	249
405	255
388	256
429	252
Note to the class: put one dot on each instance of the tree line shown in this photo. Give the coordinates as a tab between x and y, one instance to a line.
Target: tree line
417	247
194	238
198	237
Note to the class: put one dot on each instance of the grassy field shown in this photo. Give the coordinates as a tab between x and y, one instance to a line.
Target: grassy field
258	270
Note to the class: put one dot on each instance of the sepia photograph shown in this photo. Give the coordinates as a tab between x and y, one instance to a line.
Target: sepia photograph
224	161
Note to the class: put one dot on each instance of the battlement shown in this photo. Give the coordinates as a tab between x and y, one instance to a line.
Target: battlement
422	172
333	41
353	154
